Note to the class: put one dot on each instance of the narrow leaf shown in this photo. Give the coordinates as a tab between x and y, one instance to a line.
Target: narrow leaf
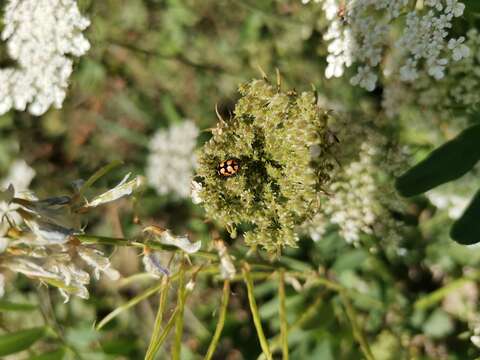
221	320
446	163
20	340
9	306
58	354
466	230
146	294
98	174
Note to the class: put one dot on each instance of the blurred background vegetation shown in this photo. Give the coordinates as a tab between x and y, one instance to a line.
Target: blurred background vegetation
154	63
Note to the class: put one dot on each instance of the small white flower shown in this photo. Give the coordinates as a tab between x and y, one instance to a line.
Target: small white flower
365	78
455	7
196	189
459	49
408	72
437	70
20	175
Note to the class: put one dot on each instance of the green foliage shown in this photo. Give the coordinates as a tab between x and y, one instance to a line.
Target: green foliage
466	230
17	341
10	306
52	355
447	163
273	135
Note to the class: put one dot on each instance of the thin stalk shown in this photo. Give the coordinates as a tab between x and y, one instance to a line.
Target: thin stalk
103	240
221	320
255	313
146	294
182	295
283	315
357	332
150	355
157	327
309	313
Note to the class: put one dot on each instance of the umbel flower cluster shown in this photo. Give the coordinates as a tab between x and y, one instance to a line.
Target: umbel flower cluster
40	238
361	195
458	89
282	144
359	32
171	160
40	35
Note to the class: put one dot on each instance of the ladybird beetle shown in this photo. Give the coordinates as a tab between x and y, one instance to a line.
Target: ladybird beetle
228	167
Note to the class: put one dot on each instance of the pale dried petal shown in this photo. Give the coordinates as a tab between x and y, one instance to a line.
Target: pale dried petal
98	262
227	269
3	244
181	242
2	285
29	267
47	232
152	264
124	188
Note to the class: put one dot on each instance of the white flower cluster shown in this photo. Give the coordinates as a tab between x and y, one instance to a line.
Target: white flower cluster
359	199
360	30
171	161
458	89
40	35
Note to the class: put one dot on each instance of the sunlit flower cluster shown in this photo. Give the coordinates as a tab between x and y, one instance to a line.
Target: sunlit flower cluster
171	160
359	32
276	187
40	36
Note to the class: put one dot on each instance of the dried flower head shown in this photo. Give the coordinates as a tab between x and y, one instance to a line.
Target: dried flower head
40	238
271	136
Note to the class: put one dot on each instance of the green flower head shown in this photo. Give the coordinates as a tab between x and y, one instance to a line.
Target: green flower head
281	142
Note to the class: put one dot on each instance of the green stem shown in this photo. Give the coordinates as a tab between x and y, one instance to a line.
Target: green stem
255	313
221	320
357	332
146	294
182	294
103	240
283	315
150	355
159	317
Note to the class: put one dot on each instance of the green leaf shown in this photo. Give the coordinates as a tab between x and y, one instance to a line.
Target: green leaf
466	230
58	354
446	163
98	174
20	340
9	306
